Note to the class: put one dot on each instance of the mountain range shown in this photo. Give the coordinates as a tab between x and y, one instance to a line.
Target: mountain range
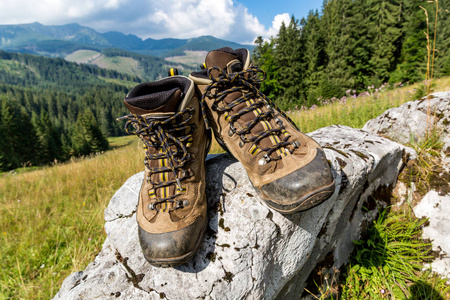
62	40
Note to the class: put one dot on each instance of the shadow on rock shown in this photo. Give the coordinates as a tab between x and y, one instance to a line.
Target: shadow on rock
215	194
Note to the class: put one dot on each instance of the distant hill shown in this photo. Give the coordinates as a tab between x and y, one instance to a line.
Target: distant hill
146	67
54	109
204	43
62	40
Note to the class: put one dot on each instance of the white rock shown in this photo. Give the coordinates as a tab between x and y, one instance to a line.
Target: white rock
257	253
411	120
436	208
400	191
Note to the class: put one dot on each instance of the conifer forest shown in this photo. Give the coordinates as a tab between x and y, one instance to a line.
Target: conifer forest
52	109
352	45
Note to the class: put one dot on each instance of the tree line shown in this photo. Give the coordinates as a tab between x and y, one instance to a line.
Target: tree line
351	45
51	109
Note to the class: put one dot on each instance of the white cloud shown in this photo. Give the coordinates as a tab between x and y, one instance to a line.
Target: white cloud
146	18
52	11
193	18
276	24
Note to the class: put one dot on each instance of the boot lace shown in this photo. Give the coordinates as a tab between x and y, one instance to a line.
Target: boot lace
248	83
161	133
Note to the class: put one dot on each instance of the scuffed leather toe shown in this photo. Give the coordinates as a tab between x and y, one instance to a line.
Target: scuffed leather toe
172	248
303	188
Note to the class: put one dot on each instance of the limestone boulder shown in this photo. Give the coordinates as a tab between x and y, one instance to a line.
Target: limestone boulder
250	251
411	120
435	207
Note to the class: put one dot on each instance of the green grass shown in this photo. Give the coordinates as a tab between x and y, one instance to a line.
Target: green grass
193	58
13	67
51	219
388	263
356	111
82	56
352	111
121	64
122	141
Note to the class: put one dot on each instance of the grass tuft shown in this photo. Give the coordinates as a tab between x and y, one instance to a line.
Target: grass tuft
388	263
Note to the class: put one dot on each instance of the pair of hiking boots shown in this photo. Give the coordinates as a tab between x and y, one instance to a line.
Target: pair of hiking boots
173	118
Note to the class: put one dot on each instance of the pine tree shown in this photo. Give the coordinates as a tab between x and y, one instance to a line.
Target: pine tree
50	147
385	32
313	41
27	139
8	159
87	136
258	51
288	64
264	51
18	140
105	123
9	129
336	19
360	46
443	41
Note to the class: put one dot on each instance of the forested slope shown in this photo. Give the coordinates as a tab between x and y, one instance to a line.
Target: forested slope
351	45
53	109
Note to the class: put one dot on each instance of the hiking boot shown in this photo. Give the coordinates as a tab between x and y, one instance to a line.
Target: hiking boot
288	169
171	212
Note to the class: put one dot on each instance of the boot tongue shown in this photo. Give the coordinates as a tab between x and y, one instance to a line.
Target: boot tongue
162	102
226	60
219	58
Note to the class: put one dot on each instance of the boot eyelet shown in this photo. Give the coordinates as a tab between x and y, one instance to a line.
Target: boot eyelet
151	206
264	160
187	173
185	203
278	121
241	144
232	130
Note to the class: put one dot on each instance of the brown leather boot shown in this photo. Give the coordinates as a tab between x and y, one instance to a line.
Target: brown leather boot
171	213
288	169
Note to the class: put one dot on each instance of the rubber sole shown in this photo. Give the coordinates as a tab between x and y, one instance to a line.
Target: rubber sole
306	202
175	261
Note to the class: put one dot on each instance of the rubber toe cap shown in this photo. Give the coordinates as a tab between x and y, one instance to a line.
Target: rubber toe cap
303	188
173	247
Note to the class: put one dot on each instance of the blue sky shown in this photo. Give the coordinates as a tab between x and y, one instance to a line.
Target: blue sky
235	20
266	10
